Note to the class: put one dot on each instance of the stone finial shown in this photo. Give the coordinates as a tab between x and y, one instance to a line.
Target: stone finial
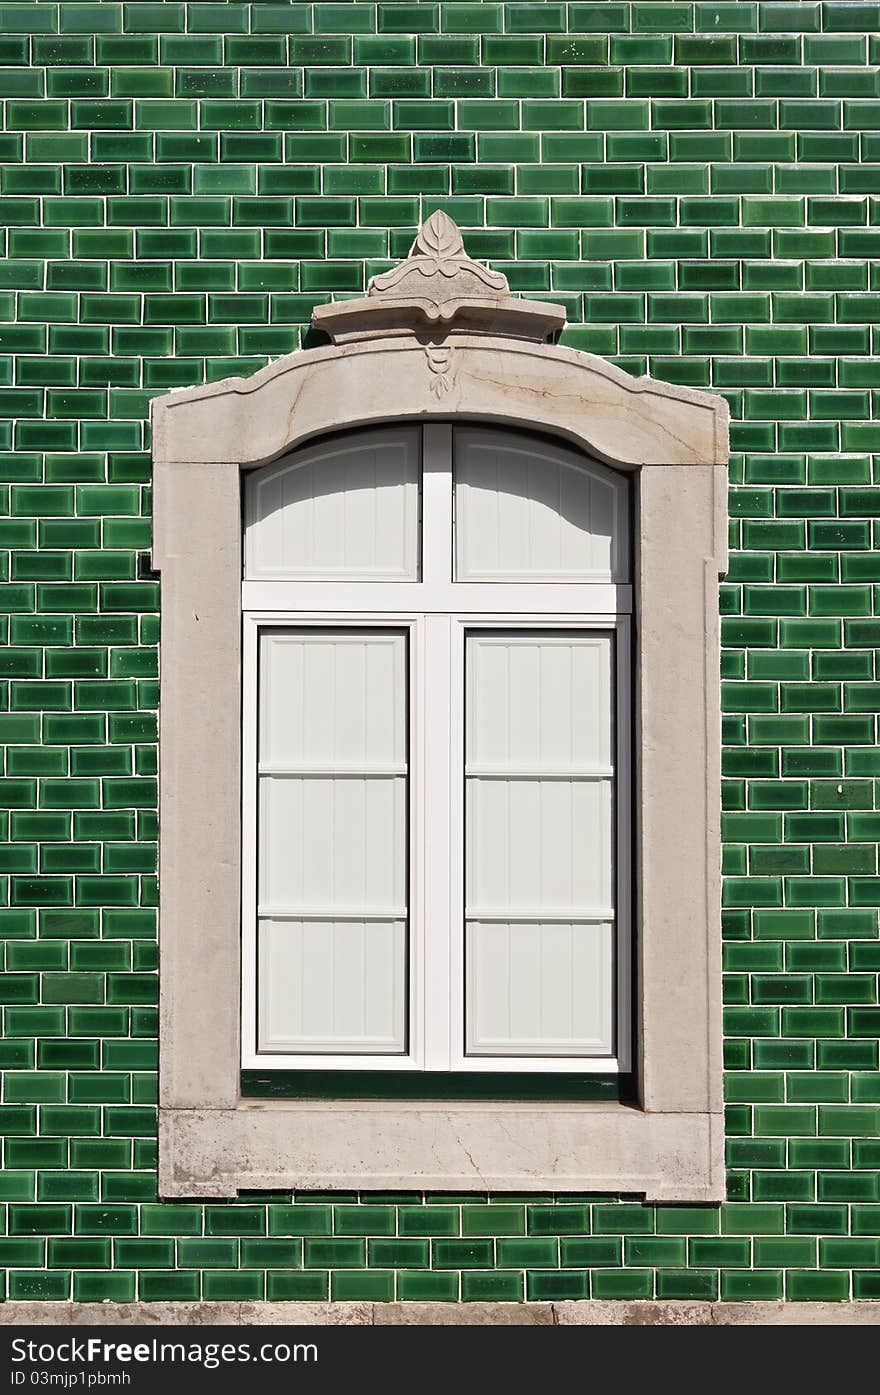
439	272
436	290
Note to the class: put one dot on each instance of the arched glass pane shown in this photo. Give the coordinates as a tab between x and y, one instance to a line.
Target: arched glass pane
527	509
346	508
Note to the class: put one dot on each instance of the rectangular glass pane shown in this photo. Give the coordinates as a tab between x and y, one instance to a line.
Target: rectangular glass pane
540	990
539	846
332	985
332	841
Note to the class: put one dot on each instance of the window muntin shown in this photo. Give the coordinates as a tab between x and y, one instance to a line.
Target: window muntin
444	619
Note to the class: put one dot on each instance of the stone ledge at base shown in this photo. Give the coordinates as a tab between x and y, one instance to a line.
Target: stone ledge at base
587	1313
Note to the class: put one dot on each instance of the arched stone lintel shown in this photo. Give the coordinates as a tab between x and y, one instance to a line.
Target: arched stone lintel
626	422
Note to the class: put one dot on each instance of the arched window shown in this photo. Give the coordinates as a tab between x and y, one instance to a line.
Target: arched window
405	576
436	754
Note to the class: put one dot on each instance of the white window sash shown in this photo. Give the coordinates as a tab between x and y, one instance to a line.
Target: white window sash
437	612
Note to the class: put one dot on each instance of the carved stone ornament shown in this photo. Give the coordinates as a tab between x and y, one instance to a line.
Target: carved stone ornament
437	290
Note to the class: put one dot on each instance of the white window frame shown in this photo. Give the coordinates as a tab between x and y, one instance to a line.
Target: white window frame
438	612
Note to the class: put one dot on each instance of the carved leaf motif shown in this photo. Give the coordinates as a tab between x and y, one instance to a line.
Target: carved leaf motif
439	237
439	363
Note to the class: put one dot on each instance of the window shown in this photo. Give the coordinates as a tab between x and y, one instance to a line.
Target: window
436	872
590	526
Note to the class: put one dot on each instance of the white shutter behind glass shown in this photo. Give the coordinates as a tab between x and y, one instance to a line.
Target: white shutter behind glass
346	509
539	844
533	510
332	875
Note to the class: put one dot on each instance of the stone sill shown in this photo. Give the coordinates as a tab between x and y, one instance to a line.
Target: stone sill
440	1147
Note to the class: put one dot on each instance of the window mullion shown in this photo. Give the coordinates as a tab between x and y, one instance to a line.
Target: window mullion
437	504
438	851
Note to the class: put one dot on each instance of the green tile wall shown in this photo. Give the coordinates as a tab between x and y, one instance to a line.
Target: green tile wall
699	185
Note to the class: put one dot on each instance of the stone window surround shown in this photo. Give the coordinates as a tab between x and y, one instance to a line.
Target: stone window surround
674	440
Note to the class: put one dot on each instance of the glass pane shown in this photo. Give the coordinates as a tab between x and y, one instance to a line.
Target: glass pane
346	508
527	509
